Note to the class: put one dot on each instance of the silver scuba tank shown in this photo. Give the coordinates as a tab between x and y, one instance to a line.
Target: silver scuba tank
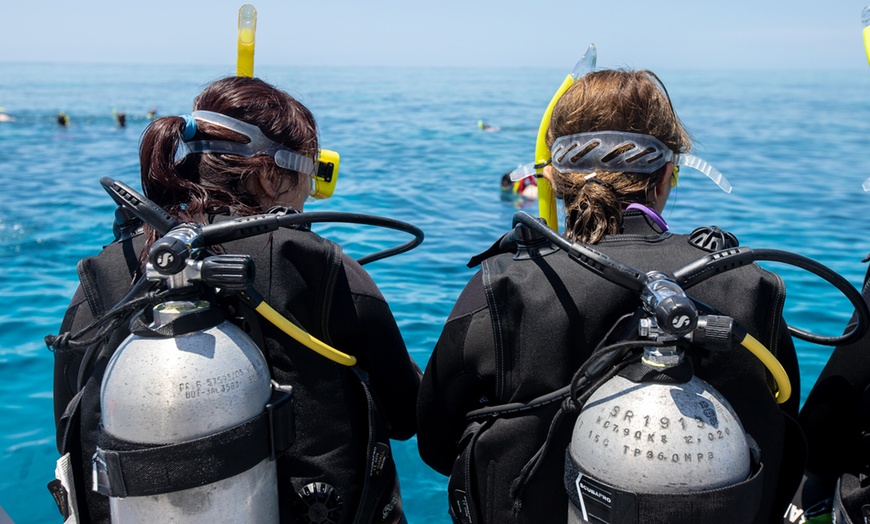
657	432
166	390
653	438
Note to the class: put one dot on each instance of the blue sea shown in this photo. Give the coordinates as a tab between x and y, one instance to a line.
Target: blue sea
794	144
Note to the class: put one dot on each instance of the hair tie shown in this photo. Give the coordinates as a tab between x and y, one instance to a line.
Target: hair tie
595	180
189	127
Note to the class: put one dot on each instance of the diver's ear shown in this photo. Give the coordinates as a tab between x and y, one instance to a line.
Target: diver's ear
663	186
279	190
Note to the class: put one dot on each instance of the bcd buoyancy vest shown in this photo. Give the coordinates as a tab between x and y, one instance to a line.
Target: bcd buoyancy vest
547	314
364	486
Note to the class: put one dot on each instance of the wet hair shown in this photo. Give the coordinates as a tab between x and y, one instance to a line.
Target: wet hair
212	183
611	100
506	182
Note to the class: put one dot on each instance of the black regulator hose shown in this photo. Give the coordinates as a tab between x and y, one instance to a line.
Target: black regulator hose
729	259
706	267
244	227
146	210
595	261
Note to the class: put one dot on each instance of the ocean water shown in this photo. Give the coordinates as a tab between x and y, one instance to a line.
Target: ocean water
794	145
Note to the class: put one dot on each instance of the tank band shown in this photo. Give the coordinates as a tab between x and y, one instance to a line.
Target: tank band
601	502
126	469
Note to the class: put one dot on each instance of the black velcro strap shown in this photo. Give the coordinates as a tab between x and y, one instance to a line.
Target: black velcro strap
736	503
141	471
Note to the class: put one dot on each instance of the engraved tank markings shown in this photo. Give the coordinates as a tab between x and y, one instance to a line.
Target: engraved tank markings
615	427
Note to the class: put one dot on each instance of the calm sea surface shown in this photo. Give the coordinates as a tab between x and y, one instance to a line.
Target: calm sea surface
794	145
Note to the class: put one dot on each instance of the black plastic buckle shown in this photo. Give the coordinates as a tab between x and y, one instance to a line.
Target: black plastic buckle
282	423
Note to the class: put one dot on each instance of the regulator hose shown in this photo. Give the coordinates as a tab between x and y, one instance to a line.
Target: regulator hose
710	265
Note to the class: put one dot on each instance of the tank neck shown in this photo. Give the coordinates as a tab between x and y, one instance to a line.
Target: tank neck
167	312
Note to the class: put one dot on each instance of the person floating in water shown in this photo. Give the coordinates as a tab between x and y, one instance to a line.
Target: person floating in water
152	113
483	126
526	188
62	119
120	118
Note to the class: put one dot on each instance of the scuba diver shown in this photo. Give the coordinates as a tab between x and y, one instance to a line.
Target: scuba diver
836	421
247	149
530	318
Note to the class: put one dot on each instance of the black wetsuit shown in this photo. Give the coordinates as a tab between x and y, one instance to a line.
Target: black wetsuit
522	327
836	421
308	279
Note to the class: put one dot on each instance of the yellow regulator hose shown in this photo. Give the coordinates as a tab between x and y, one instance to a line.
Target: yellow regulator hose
295	332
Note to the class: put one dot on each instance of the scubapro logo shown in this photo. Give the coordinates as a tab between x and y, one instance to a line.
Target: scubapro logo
680	322
593	492
165	259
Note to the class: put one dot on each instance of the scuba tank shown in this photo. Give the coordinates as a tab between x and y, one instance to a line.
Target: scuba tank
651	442
185	381
655	429
169	389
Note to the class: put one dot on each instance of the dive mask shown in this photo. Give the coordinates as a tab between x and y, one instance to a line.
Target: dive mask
619	151
323	171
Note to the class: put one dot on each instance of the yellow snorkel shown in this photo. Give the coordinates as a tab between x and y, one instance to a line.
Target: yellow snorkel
322	188
247	34
546	198
865	16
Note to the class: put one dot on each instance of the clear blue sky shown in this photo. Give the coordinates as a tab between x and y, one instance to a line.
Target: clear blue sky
693	34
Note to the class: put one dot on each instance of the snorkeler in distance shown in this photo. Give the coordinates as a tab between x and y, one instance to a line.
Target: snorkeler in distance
62	119
152	113
526	188
486	127
120	117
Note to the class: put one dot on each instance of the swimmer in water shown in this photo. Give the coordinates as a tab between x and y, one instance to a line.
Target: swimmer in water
526	188
486	127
